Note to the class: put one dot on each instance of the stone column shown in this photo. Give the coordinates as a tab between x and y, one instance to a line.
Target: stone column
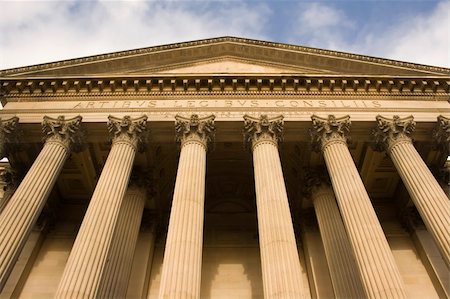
114	282
393	136
181	272
281	269
88	259
379	273
427	250
22	210
140	279
344	272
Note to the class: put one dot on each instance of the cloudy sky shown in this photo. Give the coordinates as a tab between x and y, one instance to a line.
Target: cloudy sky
33	32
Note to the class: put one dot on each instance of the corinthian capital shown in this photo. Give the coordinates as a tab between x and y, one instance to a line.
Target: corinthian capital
315	178
328	130
128	130
63	131
261	129
441	133
195	129
8	137
390	132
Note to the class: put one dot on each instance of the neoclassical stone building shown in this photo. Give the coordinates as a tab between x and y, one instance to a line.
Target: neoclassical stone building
225	168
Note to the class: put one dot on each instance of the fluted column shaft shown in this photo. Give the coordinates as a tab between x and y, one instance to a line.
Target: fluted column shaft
379	273
88	259
5	199
115	278
181	272
23	209
280	263
344	272
426	193
7	194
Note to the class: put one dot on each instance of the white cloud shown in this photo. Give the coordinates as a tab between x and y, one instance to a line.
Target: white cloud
422	38
320	25
49	31
42	31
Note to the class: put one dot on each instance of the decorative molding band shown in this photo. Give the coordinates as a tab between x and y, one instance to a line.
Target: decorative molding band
232	84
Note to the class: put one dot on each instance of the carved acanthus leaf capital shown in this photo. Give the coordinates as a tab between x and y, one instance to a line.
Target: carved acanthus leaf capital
328	130
263	128
64	131
128	130
11	179
390	132
309	220
195	128
441	133
142	179
316	178
8	135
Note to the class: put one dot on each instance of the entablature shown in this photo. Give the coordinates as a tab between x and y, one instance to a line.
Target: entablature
224	84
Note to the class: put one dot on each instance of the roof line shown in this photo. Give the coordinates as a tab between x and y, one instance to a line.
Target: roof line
145	50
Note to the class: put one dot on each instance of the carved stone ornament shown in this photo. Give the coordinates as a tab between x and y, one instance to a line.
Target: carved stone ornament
328	130
128	130
142	179
441	133
390	132
195	128
64	131
11	177
262	129
314	179
8	135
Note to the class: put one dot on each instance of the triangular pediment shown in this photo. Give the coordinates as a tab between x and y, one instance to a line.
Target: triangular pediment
228	55
227	65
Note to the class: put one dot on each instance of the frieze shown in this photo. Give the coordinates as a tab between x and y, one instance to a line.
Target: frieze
225	109
225	104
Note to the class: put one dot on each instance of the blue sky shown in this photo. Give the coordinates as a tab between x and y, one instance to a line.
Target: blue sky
33	32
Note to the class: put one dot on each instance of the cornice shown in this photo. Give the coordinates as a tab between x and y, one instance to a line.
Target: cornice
243	85
218	40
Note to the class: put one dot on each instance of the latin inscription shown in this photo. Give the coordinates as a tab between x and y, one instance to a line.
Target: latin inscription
226	104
